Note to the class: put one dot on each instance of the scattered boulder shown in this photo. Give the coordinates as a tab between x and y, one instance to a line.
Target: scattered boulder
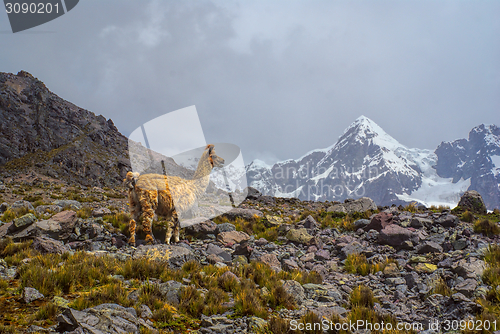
67	203
246	214
233	237
429	247
31	294
351	248
309	223
22	222
466	287
397	236
216	250
419	222
361	223
253	193
104	318
299	235
225	227
359	205
271	260
296	290
22	205
201	229
4	207
101	212
447	220
59	227
175	256
171	292
472	201
272	221
48	209
379	222
45	245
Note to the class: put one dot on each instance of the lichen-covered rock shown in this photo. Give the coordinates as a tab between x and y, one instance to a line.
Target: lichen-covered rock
299	235
104	318
23	222
31	294
472	201
175	256
296	290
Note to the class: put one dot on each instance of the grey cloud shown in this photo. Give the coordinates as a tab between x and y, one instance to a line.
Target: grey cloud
278	79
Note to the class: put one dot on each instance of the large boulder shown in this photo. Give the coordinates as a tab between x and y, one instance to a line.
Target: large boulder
201	229
398	237
296	290
59	227
22	222
232	237
30	294
350	206
104	318
447	220
379	222
472	201
175	256
299	236
45	245
271	260
253	193
245	214
22	205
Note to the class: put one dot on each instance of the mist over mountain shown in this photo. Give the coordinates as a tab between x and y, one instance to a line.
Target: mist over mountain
366	161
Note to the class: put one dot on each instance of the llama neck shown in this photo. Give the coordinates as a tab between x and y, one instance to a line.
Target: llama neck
202	176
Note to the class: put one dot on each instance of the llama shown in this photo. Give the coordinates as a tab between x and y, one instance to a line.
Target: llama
165	195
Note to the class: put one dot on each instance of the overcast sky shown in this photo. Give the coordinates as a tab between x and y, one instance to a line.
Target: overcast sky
277	78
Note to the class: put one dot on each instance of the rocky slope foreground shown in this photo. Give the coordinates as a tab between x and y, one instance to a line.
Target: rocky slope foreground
261	268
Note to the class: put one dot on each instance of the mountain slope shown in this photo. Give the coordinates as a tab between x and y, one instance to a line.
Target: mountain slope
39	130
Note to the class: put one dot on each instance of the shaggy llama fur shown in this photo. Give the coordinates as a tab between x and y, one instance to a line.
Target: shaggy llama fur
155	193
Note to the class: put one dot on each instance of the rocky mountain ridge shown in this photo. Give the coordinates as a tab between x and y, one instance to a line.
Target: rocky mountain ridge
366	161
42	132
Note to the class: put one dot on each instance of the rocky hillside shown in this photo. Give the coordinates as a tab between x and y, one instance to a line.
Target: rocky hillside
366	161
42	132
265	267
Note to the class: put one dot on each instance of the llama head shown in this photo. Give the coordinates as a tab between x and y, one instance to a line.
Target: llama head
214	159
129	181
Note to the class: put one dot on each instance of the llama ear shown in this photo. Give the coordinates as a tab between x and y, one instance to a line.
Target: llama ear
210	147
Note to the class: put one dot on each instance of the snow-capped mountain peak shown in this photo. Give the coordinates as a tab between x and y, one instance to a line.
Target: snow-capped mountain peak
367	161
364	129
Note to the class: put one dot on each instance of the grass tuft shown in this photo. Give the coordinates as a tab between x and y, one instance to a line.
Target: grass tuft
486	227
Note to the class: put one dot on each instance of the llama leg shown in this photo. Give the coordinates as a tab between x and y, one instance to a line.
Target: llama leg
177	225
135	212
168	235
131	228
148	205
